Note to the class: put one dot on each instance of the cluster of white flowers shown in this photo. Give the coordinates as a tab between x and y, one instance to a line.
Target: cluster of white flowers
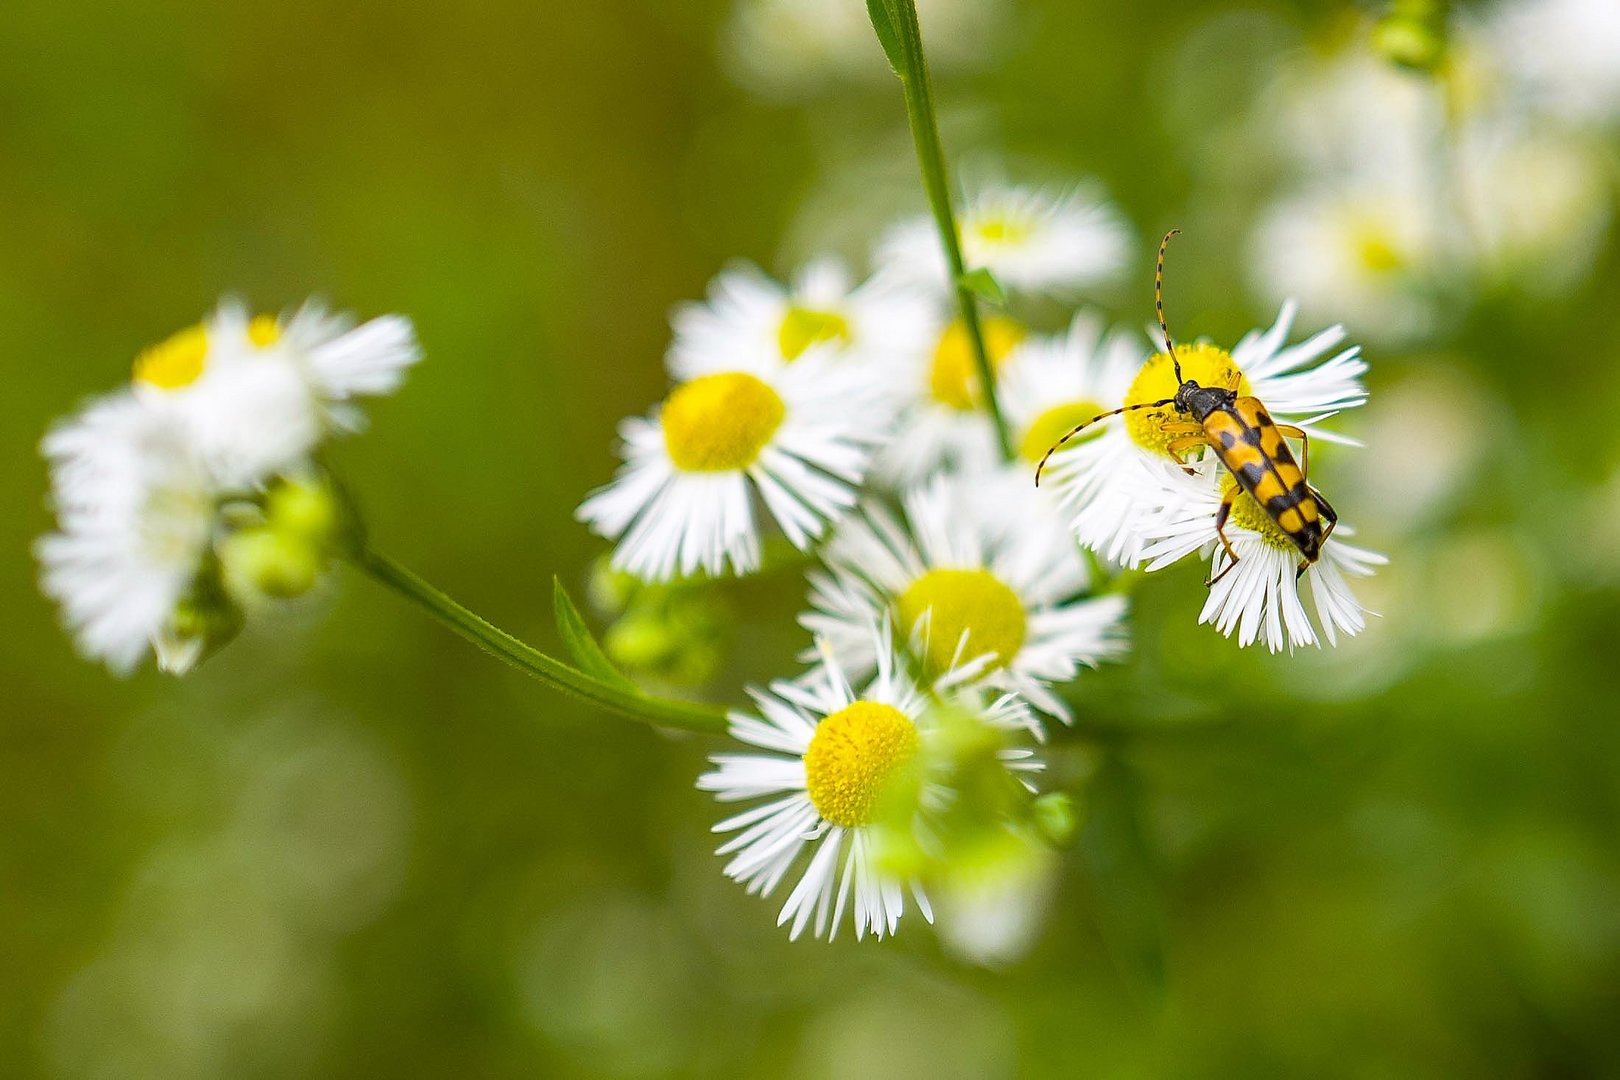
1411	192
854	417
190	494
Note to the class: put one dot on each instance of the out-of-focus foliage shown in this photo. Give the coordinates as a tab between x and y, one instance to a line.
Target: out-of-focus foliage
352	846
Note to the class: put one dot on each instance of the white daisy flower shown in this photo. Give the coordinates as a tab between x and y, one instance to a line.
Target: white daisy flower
749	318
1259	598
135	508
830	759
1368	252
1564	55
982	575
1051	385
1123	476
943	424
798	435
257	395
1535	201
1032	240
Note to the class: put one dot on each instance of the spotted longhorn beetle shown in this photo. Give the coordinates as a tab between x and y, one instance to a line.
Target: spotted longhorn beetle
1247	441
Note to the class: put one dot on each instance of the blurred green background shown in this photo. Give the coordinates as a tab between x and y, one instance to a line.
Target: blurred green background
350	845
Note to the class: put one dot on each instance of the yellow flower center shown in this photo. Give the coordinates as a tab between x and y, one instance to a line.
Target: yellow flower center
804	327
1376	249
717	423
1204	364
1247	513
1055	423
264	331
174	362
853	757
954	378
974	601
999	229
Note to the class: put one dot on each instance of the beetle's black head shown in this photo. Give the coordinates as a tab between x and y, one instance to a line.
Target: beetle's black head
1200	401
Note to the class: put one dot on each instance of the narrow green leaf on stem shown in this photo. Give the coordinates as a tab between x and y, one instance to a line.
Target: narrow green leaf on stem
615	698
582	644
898	18
983	284
887	35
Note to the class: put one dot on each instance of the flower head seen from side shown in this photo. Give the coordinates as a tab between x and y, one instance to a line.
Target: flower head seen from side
136	511
1127	469
749	319
257	395
1259	598
799	436
1031	239
982	576
834	768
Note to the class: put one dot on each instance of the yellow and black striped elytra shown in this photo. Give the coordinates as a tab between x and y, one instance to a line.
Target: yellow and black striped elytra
1248	442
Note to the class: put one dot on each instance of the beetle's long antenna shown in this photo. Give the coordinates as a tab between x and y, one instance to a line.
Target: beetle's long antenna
1158	303
1081	427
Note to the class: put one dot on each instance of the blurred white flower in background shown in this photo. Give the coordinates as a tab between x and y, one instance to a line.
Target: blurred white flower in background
1368	254
748	319
1562	55
791	49
1033	240
1409	193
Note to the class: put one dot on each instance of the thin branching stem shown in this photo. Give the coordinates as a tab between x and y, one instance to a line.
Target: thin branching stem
684	716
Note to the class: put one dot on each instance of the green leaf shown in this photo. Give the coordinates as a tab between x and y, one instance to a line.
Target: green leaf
983	284
887	34
582	646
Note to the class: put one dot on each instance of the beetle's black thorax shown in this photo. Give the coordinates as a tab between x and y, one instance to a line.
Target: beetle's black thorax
1200	401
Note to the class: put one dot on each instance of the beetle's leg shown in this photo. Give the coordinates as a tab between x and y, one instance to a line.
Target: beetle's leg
1292	432
1329	515
1176	447
1181	427
1220	530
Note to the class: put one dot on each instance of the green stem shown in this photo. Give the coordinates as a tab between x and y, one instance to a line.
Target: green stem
912	67
699	719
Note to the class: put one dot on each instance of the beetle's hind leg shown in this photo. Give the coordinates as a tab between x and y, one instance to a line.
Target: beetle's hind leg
1220	530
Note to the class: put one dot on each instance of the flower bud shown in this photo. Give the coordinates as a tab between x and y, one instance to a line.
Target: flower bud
266	561
1412	35
304	508
1057	818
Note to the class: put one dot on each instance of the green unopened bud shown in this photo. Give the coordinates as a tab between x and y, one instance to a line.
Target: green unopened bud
263	561
306	509
639	641
1412	36
1057	817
